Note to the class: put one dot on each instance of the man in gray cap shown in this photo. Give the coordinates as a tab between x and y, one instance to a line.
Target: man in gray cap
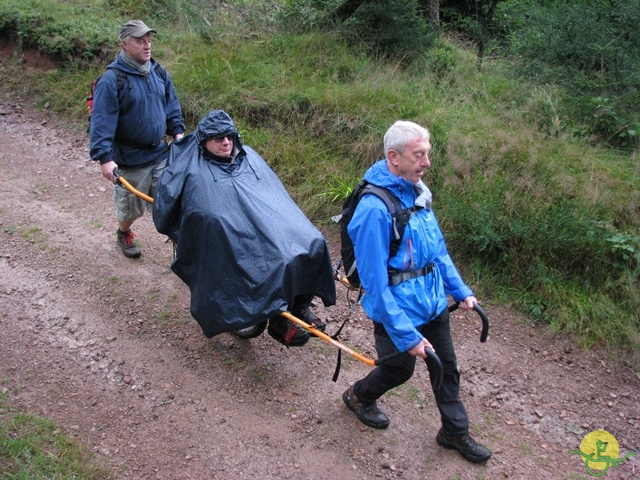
135	107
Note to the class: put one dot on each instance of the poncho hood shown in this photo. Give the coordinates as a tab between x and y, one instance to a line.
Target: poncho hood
215	124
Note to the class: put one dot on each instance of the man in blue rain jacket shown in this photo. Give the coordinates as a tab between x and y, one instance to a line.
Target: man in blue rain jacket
410	314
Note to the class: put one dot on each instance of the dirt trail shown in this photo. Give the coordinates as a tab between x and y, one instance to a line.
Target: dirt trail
105	346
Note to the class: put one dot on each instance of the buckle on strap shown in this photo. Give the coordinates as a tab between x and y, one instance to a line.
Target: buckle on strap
399	277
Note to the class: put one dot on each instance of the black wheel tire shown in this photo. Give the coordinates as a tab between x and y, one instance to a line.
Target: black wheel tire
251	332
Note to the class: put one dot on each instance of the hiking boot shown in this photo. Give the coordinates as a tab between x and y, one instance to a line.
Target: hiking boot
306	315
465	445
127	245
367	413
286	332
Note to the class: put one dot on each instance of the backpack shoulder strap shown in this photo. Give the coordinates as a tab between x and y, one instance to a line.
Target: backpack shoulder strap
399	216
391	201
121	77
162	72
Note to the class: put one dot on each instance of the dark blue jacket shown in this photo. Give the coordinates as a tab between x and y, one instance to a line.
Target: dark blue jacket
128	124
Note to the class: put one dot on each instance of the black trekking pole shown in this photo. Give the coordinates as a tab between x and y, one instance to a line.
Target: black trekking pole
481	314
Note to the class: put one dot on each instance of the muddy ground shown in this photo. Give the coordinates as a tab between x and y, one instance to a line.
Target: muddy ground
105	347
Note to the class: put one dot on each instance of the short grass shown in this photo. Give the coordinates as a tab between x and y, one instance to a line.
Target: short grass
32	447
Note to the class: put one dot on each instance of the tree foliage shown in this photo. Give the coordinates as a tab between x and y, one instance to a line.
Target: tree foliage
386	28
591	48
475	18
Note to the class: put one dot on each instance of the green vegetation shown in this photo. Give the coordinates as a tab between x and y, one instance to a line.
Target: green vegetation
32	447
35	235
539	208
590	47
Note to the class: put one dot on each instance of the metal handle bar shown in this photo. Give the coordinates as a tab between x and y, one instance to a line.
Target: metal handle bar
437	380
483	317
340	278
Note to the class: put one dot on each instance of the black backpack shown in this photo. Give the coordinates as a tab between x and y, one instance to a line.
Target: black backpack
400	217
121	79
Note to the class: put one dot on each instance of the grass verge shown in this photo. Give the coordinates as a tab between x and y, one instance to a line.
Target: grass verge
32	447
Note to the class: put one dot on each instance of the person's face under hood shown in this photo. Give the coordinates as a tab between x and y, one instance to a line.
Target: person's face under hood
215	124
220	146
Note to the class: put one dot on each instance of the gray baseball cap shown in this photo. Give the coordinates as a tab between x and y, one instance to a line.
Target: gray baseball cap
134	28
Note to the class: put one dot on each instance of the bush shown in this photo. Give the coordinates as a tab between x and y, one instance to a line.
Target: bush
64	32
396	29
592	49
385	29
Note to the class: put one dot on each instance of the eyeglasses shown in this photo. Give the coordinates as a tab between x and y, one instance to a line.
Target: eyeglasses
221	139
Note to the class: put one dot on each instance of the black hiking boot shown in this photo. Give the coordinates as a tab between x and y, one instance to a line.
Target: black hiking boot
367	413
465	445
286	332
306	315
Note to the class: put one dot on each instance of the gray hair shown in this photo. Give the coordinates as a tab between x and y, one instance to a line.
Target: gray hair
401	133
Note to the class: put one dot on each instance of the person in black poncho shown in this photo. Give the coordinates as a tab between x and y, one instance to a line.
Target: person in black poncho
244	248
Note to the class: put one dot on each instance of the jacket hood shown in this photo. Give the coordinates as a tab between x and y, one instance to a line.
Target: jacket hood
409	194
379	174
217	123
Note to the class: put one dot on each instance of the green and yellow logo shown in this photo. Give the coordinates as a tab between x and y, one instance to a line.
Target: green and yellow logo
600	451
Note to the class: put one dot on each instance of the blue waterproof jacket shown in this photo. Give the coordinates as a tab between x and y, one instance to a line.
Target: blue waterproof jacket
128	124
403	307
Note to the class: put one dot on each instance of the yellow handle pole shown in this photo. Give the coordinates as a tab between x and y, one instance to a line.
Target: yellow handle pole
314	331
129	187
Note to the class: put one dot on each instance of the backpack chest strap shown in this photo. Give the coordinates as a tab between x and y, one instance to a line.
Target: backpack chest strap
396	277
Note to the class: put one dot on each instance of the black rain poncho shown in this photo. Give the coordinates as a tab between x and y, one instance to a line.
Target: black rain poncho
244	247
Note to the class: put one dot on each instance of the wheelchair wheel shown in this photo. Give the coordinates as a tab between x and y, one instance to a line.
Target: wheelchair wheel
251	332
